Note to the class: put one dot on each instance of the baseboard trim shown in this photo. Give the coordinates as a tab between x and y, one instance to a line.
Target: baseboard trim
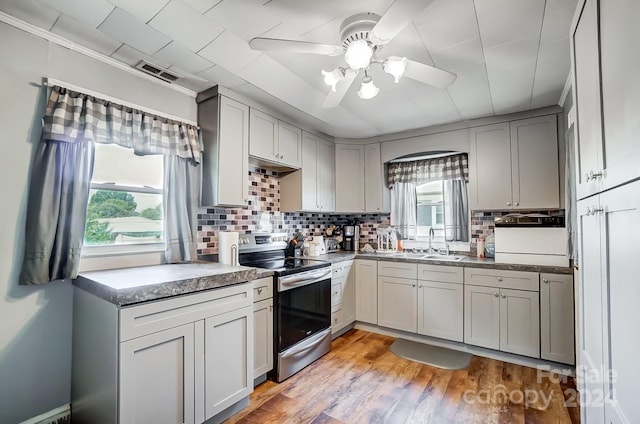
478	351
52	416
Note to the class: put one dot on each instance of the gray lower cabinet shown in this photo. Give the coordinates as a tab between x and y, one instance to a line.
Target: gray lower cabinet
441	302
262	326
343	300
366	291
179	360
557	329
482	316
398	303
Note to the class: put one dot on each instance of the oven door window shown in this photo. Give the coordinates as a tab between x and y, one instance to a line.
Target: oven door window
302	312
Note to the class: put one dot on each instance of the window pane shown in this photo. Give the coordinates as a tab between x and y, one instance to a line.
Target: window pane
116	164
430	209
121	217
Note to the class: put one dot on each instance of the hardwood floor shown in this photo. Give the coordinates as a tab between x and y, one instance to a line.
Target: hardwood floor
361	381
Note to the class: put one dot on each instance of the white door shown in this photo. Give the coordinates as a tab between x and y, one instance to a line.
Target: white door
289	145
349	296
263	142
262	337
233	161
557	339
398	303
374	183
325	183
520	322
441	310
367	291
310	195
490	167
228	363
586	89
534	163
157	377
620	220
482	316
350	178
590	313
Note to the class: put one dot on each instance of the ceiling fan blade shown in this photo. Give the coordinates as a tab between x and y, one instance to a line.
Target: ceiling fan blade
429	74
396	18
294	46
333	99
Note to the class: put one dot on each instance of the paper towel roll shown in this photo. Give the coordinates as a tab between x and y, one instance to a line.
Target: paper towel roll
228	250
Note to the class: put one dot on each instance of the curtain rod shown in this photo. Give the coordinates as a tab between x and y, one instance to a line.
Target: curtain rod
50	82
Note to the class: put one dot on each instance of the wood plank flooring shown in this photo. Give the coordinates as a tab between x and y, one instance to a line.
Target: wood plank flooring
361	381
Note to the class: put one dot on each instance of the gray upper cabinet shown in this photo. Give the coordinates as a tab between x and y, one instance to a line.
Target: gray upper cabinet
360	185
224	123
514	165
274	140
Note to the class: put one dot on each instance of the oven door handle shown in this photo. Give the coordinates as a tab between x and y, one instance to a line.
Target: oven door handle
303	278
308	344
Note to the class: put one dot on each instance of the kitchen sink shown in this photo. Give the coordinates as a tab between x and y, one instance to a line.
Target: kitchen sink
436	257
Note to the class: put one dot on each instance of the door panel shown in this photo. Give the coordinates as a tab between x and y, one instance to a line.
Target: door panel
441	310
556	318
482	316
262	337
367	291
310	196
349	178
520	322
233	150
398	303
490	167
289	145
264	135
325	184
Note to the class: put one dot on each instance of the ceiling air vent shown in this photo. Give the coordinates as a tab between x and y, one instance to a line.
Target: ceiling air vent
157	71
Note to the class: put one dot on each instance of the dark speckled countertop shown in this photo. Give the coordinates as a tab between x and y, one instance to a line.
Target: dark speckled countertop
467	261
127	286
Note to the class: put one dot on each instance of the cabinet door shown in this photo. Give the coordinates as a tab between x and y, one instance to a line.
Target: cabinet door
557	339
367	291
228	362
289	145
398	303
374	183
620	232
490	167
586	89
520	322
534	163
263	140
350	178
310	156
349	296
262	337
325	183
157	377
620	61
590	356
482	316
441	310
233	160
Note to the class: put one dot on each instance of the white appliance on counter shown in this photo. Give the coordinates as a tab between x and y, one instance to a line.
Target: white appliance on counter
531	239
228	242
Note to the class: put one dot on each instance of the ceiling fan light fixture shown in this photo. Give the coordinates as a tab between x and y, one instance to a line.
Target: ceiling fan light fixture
333	77
368	89
395	66
358	54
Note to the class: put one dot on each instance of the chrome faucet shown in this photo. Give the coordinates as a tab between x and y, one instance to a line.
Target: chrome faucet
432	235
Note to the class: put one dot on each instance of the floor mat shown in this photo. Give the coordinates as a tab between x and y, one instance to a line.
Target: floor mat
436	356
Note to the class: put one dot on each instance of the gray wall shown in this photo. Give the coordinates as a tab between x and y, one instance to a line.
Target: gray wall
35	321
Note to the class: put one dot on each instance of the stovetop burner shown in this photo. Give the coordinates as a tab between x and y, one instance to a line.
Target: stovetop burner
285	266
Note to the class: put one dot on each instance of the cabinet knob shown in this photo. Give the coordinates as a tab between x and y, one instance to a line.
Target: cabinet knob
503	295
270	308
544	280
517	204
495	294
499	278
413	285
508	203
259	290
590	176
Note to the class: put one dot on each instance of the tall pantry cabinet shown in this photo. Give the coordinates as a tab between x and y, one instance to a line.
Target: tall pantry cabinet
605	60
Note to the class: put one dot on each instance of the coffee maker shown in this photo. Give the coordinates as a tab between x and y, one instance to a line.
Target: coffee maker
351	236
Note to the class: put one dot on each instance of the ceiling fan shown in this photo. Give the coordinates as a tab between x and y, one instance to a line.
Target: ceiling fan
362	38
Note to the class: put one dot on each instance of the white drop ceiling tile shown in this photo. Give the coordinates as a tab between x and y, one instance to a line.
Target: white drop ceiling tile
557	21
92	13
203	5
183	23
178	55
132	57
85	35
230	52
445	23
503	20
407	44
512	53
552	71
245	18
459	56
31	11
308	66
470	92
143	10
220	76
126	28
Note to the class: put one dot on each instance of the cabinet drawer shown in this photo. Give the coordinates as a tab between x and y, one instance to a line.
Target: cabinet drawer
336	294
262	289
445	274
341	269
398	269
147	318
518	280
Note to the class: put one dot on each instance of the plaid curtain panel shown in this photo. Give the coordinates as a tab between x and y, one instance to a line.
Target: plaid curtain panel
455	167
73	116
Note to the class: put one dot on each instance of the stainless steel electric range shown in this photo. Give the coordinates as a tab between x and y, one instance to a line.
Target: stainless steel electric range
302	298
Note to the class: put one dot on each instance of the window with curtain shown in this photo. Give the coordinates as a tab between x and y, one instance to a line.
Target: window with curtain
430	193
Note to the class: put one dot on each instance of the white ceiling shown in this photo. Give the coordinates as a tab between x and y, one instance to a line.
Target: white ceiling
509	55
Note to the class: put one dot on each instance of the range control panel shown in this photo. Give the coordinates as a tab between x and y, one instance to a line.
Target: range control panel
530	220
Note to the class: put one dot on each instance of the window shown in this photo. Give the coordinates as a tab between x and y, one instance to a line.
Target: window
125	201
430	204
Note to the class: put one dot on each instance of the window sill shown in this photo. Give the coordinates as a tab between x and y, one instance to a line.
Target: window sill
98	258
